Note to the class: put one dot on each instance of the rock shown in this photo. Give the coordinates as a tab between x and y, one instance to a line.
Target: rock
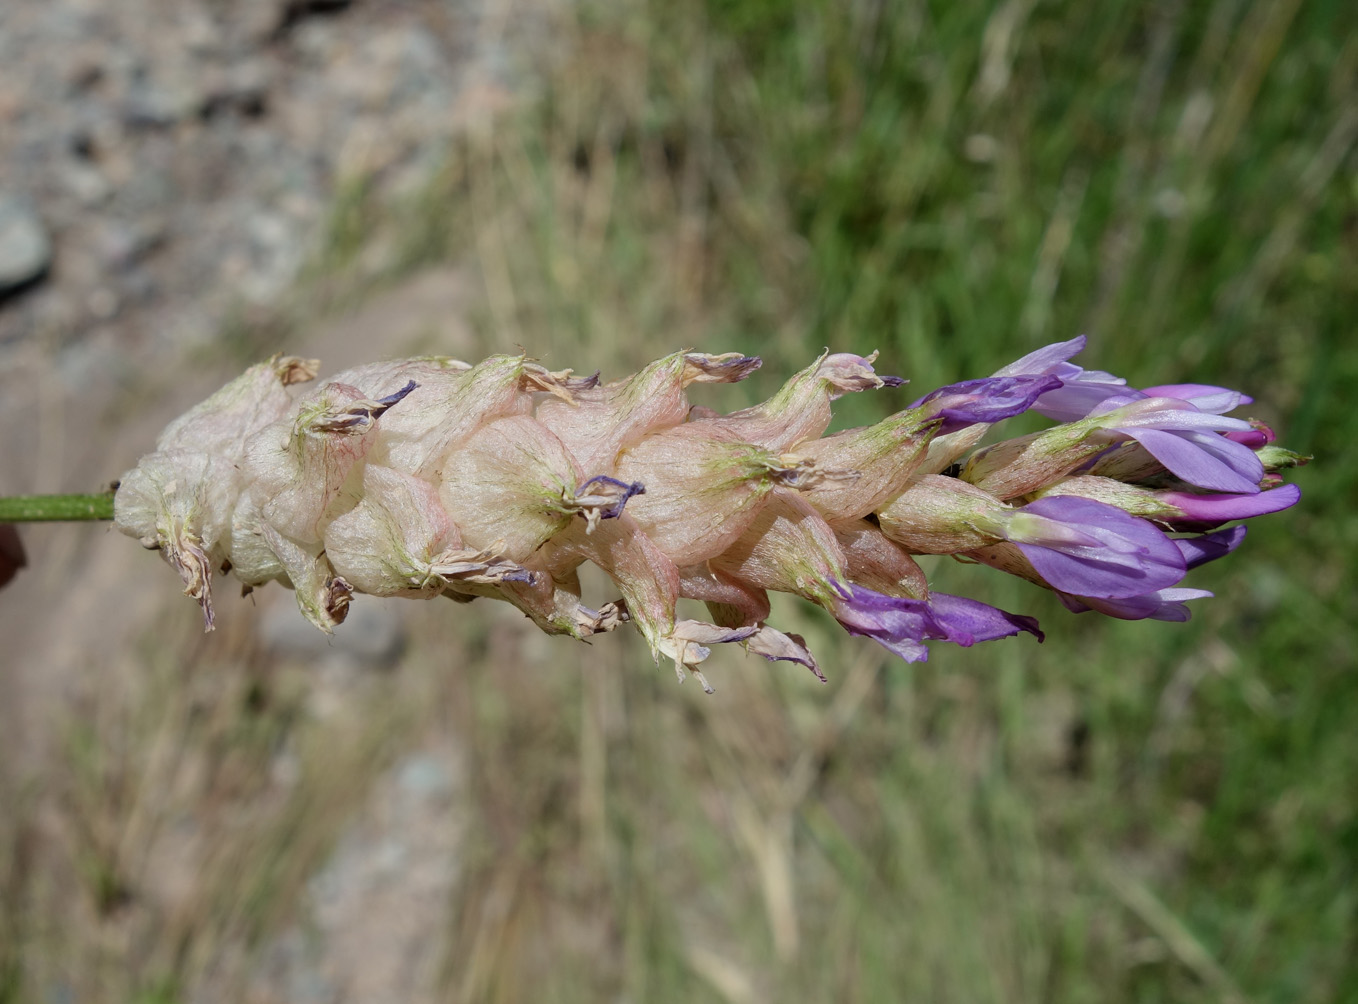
25	248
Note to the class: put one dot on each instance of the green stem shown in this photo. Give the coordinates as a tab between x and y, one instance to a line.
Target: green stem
46	508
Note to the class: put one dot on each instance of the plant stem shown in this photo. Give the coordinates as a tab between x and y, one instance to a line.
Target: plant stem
47	508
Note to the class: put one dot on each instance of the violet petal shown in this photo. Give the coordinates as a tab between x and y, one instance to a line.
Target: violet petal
1204	459
985	401
1161	605
1226	507
1076	398
1043	359
1132	556
1204	397
1210	546
982	622
901	625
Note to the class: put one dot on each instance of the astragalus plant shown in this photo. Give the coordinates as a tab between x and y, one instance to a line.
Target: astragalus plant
431	477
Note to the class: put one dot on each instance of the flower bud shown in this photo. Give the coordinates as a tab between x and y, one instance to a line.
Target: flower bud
1026	464
1275	458
941	515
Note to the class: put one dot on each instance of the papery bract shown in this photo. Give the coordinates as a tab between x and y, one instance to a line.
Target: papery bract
602	422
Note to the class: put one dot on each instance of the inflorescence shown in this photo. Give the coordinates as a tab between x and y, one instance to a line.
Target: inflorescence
432	477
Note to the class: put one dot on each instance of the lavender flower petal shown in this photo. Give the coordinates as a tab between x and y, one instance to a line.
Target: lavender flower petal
1046	359
1224	508
980	621
985	401
1161	605
1202	458
1078	397
901	625
1134	411
1204	397
1210	546
1081	390
1090	548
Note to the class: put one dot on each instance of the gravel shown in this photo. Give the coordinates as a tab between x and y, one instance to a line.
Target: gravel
167	163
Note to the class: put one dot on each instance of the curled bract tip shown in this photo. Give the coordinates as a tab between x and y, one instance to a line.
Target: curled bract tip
294	369
727	367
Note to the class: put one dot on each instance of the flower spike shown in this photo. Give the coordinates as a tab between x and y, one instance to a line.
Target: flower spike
433	477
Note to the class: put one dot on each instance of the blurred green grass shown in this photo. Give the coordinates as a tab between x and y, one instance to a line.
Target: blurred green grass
1130	812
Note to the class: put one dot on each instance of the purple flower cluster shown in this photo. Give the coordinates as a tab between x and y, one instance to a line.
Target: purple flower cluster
1108	497
1103	543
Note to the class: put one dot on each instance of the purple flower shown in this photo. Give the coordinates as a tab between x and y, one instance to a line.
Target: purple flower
985	401
1161	605
1256	437
1091	548
1200	550
1080	391
1217	509
1164	604
901	625
1204	397
1186	441
1053	360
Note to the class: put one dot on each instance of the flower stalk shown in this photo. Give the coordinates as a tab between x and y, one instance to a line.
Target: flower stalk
55	508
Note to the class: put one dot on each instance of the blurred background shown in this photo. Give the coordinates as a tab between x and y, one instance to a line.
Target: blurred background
441	804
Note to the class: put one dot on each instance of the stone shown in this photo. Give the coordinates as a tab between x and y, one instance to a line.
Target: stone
25	247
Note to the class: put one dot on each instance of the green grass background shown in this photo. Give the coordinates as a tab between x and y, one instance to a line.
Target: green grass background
1131	812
